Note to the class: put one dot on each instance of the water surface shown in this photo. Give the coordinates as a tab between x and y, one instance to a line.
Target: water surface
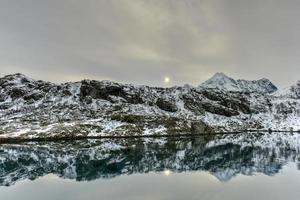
255	166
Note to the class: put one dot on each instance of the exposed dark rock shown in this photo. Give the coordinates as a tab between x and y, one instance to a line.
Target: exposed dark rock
100	90
88	100
236	102
267	85
285	109
166	105
134	99
96	90
133	119
2	97
25	80
5	106
220	110
34	96
193	104
198	127
16	93
212	95
295	90
67	93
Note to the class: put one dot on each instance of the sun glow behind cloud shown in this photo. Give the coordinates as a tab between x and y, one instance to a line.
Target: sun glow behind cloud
167	80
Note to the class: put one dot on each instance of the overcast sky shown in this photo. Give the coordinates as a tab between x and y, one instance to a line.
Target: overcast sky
142	42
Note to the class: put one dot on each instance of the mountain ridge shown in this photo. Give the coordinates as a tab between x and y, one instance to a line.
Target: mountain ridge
223	82
35	108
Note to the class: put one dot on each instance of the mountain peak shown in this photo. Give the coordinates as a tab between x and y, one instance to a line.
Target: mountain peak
17	77
289	92
223	82
219	74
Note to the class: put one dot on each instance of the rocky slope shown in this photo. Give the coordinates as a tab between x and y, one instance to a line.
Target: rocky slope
31	108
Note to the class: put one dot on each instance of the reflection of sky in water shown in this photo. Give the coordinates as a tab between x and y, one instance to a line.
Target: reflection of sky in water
165	185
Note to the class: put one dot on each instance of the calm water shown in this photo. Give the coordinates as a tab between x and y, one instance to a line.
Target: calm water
183	168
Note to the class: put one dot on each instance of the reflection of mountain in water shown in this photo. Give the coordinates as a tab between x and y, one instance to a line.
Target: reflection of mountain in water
90	160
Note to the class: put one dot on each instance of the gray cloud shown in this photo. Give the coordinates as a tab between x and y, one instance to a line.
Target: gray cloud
137	41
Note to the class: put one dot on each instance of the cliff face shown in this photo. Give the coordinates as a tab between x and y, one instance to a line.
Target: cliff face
30	108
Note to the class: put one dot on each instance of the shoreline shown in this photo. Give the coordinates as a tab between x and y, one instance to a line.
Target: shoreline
16	140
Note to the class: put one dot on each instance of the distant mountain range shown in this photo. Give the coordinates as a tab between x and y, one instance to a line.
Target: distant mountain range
32	108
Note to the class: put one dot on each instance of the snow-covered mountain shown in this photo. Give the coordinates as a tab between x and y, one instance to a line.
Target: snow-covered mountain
289	92
223	82
37	109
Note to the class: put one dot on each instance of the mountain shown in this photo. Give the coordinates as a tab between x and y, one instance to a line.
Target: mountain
223	82
289	92
37	109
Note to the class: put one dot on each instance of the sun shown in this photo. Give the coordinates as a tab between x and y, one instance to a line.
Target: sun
167	80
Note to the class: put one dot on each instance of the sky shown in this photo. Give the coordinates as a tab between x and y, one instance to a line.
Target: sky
153	42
